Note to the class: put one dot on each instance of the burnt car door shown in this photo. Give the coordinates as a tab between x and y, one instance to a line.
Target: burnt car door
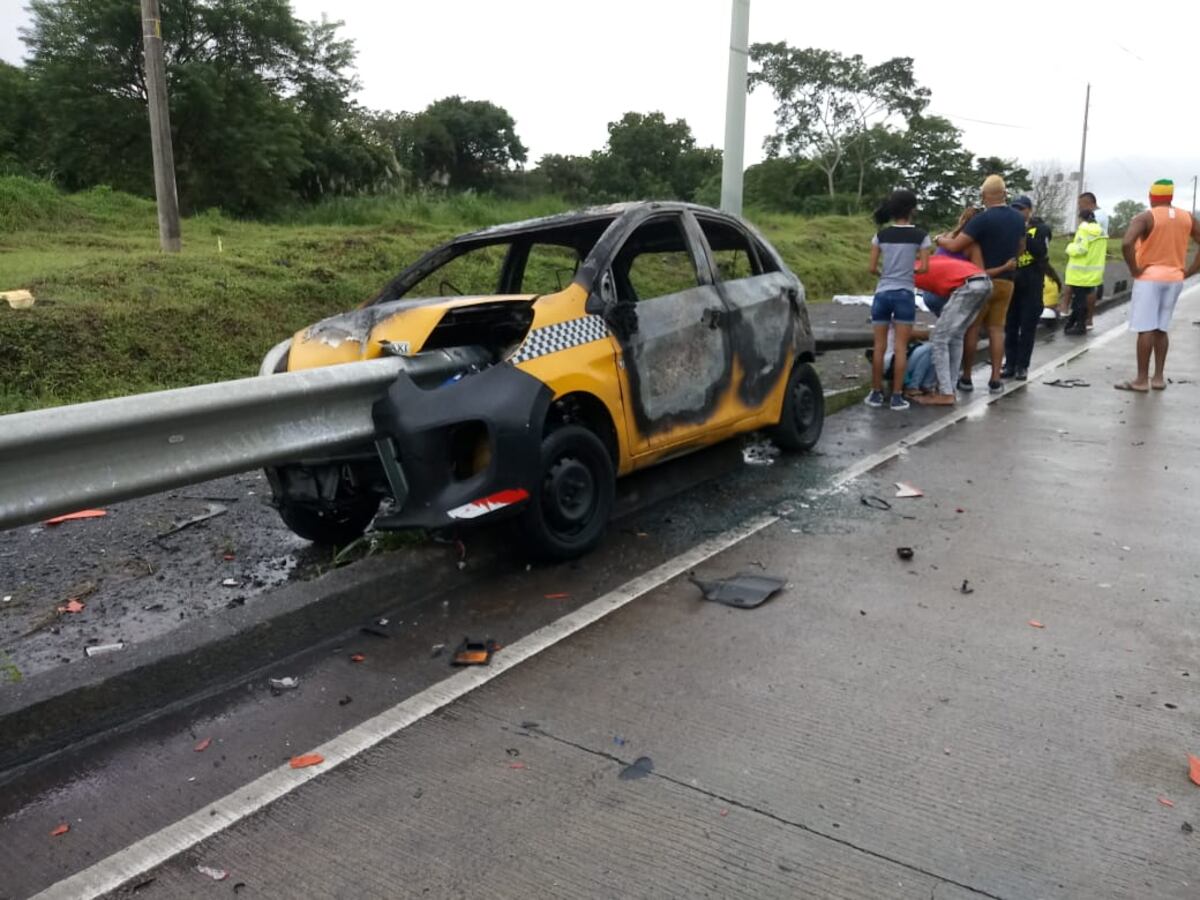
675	347
762	299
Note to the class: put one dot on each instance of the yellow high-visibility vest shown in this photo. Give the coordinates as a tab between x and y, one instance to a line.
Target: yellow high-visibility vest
1085	256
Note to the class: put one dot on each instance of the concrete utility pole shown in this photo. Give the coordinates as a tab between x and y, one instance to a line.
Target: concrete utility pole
1087	102
735	109
160	128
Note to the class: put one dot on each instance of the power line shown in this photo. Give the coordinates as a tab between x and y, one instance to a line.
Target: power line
987	122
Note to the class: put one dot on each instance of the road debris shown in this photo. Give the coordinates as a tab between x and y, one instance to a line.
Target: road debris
202	745
72	606
21	299
905	553
618	740
904	489
760	453
1194	769
966	587
874	502
558	596
1186	828
437	650
1166	802
1067	383
214	510
214	874
102	649
641	767
346	701
60	830
356	657
287	683
1036	624
82	514
745	590
230	583
305	760
474	653
517	765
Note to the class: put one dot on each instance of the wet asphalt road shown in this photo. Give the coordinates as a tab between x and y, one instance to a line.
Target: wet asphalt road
871	732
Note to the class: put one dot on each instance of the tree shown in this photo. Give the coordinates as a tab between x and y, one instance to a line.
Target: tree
1052	194
457	143
646	156
260	106
1016	178
568	176
828	102
929	158
18	119
782	184
1122	214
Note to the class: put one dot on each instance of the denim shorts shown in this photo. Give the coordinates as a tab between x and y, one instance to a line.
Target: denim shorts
899	306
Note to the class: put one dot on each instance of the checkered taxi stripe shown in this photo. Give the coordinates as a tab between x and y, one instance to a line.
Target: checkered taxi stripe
563	336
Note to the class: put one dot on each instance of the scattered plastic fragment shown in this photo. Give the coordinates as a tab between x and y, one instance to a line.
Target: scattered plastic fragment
762	453
60	830
517	765
1194	768
745	590
641	767
21	299
287	683
214	874
101	649
1036	624
959	509
229	557
229	582
905	553
904	489
357	657
966	587
1165	802
874	502
82	514
437	650
305	760
241	885
1186	828
346	701
474	653
724	812
203	745
1067	383
558	596
7	598
72	606
618	740
214	510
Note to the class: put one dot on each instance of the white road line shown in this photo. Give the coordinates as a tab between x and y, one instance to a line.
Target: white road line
156	849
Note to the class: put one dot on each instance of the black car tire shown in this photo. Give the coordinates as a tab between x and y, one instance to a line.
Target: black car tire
570	505
334	527
803	414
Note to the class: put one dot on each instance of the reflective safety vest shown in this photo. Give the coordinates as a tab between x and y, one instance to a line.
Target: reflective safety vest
1085	256
1026	258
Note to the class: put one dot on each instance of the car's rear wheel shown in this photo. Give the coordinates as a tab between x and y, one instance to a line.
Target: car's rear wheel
337	525
573	499
803	415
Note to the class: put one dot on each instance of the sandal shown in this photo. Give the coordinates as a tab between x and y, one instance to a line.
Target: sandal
1128	386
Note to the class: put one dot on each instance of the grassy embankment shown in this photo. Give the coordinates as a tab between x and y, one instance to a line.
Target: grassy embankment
115	316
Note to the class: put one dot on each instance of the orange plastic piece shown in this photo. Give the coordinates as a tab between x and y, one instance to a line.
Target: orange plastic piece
306	760
82	514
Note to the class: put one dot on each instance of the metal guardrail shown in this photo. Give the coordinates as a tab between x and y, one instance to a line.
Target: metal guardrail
59	460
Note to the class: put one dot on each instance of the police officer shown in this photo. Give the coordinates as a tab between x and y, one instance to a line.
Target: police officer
1020	325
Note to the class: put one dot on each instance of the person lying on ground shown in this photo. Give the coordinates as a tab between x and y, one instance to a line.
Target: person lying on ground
967	288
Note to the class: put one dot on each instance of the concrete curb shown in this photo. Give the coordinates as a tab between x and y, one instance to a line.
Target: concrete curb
58	708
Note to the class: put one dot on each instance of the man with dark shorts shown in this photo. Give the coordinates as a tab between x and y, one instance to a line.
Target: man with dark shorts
1033	266
999	231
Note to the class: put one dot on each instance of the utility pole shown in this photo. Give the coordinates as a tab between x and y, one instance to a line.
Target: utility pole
1087	102
735	108
160	128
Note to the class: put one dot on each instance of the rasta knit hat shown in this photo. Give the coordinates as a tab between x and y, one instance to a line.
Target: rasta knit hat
1164	188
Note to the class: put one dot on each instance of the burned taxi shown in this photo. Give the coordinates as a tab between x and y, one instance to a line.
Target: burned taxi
543	360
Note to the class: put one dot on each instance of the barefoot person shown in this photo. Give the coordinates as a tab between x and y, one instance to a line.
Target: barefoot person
999	231
967	287
1155	247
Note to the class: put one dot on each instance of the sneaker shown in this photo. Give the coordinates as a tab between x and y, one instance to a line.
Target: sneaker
1022	375
1007	373
995	387
875	399
964	384
898	402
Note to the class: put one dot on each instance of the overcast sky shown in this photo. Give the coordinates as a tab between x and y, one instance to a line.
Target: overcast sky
1012	77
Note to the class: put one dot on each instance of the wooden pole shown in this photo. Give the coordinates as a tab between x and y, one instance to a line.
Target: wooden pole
160	128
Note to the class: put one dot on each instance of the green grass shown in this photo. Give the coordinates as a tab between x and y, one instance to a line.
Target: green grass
116	316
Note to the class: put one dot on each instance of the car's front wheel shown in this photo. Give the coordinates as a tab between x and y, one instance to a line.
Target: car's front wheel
336	525
573	499
803	415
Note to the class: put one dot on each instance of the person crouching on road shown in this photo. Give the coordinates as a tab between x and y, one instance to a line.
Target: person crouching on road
1155	247
968	288
1085	269
1025	311
895	251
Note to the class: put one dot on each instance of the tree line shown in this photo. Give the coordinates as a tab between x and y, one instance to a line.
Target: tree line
263	117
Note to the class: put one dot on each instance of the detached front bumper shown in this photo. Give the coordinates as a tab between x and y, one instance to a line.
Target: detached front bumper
429	436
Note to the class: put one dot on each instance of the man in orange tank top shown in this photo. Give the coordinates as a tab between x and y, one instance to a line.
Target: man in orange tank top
1155	247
